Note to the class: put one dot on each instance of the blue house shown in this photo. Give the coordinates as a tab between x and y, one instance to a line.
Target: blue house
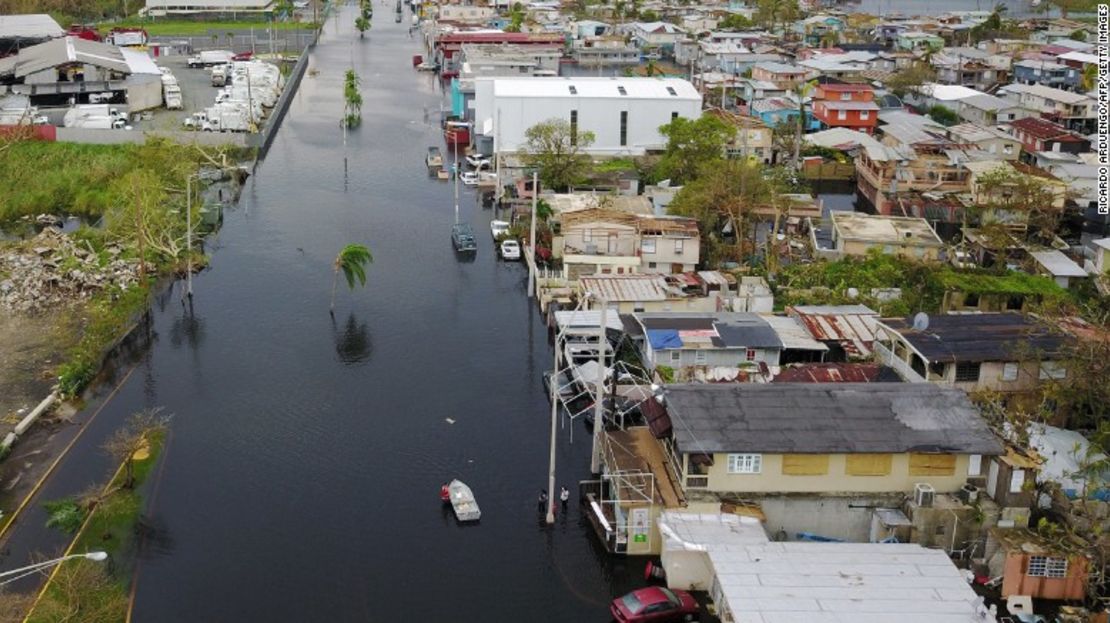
776	110
1047	73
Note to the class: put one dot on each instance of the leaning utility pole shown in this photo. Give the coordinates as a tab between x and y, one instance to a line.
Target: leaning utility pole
599	391
532	238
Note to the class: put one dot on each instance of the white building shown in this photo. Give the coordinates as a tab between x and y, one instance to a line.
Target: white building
754	580
159	8
624	114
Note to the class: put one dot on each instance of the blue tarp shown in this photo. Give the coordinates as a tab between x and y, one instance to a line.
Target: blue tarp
662	339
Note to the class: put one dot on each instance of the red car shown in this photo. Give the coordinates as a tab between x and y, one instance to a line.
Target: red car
655	604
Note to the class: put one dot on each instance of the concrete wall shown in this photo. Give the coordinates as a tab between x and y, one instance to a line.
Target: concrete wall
836	480
263	139
860	248
1016	582
847	518
118	137
666	254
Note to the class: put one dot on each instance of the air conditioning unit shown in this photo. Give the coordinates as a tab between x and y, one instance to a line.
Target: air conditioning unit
923	494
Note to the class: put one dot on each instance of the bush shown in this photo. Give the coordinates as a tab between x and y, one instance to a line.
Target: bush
65	515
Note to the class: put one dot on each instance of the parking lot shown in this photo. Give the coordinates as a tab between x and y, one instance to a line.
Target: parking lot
197	93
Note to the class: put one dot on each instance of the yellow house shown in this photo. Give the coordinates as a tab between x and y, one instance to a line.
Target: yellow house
825	438
856	234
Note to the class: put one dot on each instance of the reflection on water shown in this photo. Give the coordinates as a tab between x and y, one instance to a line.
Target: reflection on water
352	342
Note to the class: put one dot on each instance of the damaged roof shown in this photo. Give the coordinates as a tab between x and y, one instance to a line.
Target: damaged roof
980	337
827	418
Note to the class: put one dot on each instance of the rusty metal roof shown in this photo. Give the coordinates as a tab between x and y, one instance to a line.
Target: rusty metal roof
838	373
621	288
852	326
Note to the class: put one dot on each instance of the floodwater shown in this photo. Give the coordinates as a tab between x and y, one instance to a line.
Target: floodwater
301	478
1014	8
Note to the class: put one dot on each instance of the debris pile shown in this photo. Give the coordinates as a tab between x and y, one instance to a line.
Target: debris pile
51	270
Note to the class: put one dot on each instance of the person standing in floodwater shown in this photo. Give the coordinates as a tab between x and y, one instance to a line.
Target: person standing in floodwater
564	496
542	504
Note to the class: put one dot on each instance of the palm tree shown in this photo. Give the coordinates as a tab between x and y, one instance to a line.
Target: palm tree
802	91
352	261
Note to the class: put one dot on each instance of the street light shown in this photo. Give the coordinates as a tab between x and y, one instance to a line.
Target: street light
42	566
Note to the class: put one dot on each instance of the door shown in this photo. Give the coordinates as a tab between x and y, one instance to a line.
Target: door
612	244
992	479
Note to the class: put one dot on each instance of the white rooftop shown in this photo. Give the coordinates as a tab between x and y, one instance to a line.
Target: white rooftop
1049	93
802	582
596	88
1058	264
948	92
29	26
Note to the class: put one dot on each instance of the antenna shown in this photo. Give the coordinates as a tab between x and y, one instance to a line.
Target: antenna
920	321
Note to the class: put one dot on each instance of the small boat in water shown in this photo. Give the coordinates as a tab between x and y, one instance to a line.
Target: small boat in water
434	159
462	500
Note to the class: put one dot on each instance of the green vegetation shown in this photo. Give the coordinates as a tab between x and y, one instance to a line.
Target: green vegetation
692	145
77	179
944	116
85	590
352	262
734	22
923	285
615	165
352	111
65	515
109	315
917	74
555	149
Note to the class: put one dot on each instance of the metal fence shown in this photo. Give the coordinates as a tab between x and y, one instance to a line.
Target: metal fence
263	139
259	41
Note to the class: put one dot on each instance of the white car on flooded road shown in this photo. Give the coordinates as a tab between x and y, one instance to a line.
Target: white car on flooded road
498	228
510	250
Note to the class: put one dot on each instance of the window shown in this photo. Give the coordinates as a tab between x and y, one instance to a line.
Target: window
674	115
974	464
846	97
842	114
865	114
574	127
750	355
1009	371
1047	567
868	464
932	464
647	245
678	246
651	264
805	464
673	93
587	235
573	89
621	90
676	356
700	357
745	463
967	372
1017	480
1007	149
1052	370
624	128
638	308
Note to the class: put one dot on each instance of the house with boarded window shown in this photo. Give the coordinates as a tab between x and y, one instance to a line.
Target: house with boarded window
1005	352
811	453
691	343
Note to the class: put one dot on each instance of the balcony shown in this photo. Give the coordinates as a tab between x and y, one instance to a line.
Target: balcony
888	358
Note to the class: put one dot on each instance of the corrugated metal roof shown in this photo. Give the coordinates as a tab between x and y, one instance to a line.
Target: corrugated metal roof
793	335
29	27
851	326
1058	264
827	418
838	373
626	288
63	51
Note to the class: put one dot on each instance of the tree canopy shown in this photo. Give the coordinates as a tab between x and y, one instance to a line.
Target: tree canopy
915	75
691	145
735	21
556	151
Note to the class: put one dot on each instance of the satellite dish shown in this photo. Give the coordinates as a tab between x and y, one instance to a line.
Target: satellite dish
852	293
921	321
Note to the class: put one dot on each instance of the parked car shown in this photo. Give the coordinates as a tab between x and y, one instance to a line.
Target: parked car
478	161
655	604
510	250
498	228
469	178
462	238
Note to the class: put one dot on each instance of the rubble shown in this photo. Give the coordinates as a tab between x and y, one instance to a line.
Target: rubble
52	270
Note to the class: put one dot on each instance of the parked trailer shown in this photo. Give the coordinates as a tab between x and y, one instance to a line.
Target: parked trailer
95	116
208	58
171	93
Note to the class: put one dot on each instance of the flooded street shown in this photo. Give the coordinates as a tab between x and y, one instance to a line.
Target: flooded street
301	479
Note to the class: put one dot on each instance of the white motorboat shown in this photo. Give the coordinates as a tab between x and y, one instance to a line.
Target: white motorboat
462	500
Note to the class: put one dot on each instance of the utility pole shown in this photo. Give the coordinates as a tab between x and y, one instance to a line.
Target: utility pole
532	237
553	390
189	237
599	391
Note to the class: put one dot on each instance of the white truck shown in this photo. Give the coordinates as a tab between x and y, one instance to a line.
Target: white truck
171	93
223	117
219	75
95	116
207	58
22	116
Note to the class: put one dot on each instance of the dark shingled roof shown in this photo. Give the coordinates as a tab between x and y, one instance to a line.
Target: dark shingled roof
827	418
980	337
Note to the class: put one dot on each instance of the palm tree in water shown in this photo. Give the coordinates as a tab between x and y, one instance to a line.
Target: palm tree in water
352	262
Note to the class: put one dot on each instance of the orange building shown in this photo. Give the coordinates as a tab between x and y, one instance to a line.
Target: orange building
849	106
1031	565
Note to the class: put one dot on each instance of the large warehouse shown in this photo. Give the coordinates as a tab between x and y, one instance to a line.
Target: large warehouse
69	70
624	114
20	31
